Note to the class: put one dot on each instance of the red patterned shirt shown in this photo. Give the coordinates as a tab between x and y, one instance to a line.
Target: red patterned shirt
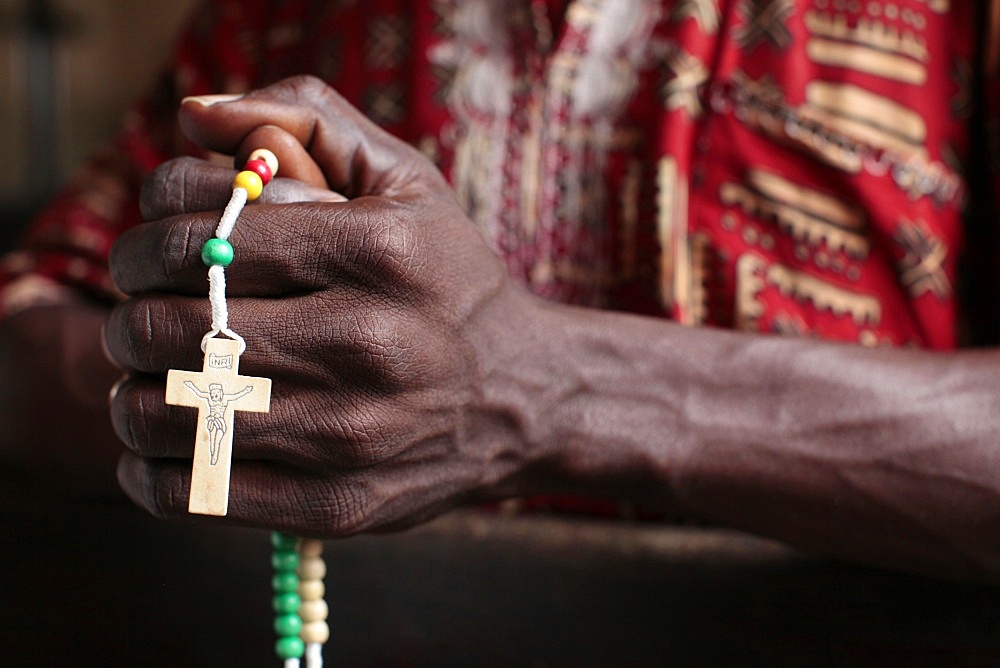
778	166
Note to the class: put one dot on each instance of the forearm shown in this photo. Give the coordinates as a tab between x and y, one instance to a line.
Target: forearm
888	457
54	399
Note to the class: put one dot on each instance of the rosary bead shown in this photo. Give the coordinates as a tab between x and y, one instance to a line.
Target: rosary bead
315	632
311	590
312	568
283	541
217	252
260	168
285	560
286	603
268	157
310	547
314	611
250	182
288	625
290	647
285	582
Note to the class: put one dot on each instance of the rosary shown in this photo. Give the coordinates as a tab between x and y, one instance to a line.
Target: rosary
218	391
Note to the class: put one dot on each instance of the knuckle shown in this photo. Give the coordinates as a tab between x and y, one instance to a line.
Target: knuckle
378	245
162	488
149	331
358	431
164	190
137	334
347	511
379	350
125	409
304	87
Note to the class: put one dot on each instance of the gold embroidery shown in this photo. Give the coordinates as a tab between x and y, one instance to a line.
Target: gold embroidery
683	91
825	297
765	19
806	214
938	6
866	59
683	259
753	275
749	283
704	12
873	34
385	103
851	144
921	269
387	37
872	119
871	46
671	211
700	254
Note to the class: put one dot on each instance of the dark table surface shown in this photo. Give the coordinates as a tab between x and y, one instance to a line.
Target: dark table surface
102	584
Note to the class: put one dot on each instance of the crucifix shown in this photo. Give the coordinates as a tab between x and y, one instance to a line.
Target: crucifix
217	391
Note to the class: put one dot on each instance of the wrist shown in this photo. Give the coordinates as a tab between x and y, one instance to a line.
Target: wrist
585	408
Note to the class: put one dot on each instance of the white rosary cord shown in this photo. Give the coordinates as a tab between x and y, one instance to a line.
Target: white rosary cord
217	274
314	655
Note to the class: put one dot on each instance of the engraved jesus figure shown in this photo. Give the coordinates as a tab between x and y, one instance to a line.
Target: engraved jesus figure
213	443
215	421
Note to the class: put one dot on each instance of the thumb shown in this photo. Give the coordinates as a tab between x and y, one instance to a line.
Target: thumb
355	156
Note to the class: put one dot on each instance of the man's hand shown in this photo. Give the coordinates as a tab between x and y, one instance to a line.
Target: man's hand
377	320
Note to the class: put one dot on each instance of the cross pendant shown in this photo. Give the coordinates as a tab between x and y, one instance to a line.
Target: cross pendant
218	391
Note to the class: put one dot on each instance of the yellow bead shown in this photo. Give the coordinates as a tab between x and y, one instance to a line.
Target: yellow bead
312	568
270	158
312	590
310	547
315	632
313	611
249	181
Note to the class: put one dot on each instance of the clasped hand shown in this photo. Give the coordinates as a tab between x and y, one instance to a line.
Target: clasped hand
380	320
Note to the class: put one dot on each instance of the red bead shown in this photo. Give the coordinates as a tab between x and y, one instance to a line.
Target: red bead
260	168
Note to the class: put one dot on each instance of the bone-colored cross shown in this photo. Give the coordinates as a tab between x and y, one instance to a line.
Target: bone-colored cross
217	391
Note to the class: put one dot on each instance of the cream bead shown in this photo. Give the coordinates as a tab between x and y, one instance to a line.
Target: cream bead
311	590
315	632
310	547
314	611
312	568
268	157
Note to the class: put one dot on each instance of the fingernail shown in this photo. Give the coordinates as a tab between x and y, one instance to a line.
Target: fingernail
209	100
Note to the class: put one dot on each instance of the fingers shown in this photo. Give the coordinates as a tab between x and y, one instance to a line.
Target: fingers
187	185
355	155
279	250
260	494
277	496
334	434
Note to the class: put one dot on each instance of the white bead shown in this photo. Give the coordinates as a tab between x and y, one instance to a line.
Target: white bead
310	547
270	158
315	632
314	611
312	568
311	590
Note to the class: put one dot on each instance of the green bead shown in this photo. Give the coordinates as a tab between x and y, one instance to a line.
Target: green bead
285	581
283	541
217	252
290	647
286	603
288	625
285	560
